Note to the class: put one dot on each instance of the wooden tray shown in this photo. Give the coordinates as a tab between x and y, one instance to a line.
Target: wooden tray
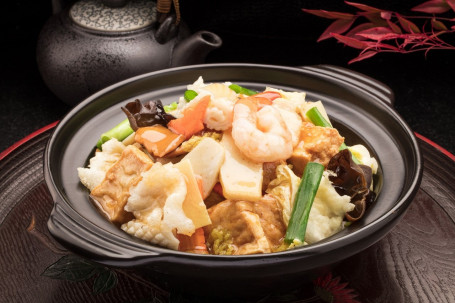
415	262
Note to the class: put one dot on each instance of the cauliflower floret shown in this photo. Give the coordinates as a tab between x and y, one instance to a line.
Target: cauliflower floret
327	212
199	83
94	174
219	114
291	101
216	91
156	202
182	104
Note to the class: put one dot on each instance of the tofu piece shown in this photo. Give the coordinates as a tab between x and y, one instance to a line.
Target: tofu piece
268	173
255	227
112	193
317	144
240	177
206	159
193	206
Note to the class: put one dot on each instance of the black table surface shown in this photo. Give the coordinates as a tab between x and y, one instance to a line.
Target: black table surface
423	85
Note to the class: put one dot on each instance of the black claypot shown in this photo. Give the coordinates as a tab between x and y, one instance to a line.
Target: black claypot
90	45
360	108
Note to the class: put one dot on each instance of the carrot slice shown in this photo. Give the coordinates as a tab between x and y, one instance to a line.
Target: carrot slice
192	121
199	183
268	95
158	140
194	243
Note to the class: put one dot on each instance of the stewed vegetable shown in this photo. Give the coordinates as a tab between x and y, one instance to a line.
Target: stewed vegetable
229	170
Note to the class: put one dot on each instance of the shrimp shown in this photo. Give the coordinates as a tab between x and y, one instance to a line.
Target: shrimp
261	135
293	122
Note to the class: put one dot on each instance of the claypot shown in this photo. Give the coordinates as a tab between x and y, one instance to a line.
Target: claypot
360	109
89	45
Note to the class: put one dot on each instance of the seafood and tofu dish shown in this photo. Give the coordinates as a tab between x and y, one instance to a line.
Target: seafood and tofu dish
226	170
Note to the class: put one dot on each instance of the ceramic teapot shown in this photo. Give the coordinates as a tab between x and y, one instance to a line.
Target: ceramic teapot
92	44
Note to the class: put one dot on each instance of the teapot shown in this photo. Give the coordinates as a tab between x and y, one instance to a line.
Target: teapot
92	44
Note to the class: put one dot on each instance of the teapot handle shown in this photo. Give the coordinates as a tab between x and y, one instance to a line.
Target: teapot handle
164	7
167	30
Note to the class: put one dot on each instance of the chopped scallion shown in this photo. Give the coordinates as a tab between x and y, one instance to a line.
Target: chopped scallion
189	95
170	107
242	90
120	132
317	118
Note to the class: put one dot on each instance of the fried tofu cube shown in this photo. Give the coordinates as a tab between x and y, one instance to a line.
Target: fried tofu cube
113	192
254	227
317	144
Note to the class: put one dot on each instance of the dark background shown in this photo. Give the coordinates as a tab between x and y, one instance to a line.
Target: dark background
270	32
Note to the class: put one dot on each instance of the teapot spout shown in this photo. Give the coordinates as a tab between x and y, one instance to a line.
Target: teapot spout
195	48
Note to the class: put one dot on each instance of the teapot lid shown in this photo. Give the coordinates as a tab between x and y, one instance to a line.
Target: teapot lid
93	14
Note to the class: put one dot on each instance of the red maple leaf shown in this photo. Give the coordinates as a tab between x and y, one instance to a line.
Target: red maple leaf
432	7
387	31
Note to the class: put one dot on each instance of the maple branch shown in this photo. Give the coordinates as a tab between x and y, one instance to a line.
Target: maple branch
387	31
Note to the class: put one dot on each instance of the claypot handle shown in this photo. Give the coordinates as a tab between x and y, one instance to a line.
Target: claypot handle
349	77
80	236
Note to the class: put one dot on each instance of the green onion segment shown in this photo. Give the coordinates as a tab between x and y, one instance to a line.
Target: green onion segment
170	107
242	90
189	95
120	132
303	201
317	118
